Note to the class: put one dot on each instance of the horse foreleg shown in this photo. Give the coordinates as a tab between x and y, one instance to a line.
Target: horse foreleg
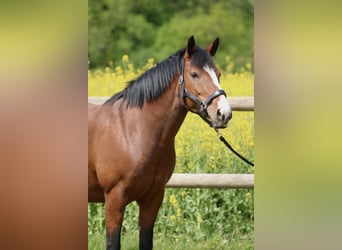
115	208
148	210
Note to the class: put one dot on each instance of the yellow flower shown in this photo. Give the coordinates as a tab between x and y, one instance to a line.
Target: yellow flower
173	200
179	213
182	194
125	59
199	220
118	70
173	218
150	61
130	67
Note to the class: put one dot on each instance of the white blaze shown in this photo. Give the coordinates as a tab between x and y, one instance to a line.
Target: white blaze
223	104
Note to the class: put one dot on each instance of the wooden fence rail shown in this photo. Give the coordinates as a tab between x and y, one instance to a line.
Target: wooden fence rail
209	180
237	103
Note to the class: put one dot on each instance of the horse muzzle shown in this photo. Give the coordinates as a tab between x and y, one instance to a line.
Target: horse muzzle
223	116
217	116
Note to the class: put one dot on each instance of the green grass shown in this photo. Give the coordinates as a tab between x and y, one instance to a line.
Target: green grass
163	242
188	219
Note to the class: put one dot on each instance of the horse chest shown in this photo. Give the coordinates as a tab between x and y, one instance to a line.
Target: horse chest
157	163
152	171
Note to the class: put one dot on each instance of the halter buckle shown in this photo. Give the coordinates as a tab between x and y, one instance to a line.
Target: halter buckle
181	80
203	106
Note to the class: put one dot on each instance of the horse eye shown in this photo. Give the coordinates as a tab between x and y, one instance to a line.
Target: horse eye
194	74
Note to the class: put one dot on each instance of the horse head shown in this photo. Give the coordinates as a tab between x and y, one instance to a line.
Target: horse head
200	85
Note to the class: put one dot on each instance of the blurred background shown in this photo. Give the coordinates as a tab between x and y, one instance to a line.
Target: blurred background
144	29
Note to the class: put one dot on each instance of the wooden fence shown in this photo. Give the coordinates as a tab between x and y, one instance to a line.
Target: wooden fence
209	180
236	103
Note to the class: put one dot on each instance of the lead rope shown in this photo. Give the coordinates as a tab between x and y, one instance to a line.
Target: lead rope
220	136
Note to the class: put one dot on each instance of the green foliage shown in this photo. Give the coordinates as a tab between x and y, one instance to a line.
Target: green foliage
192	215
96	221
158	28
115	30
236	39
130	242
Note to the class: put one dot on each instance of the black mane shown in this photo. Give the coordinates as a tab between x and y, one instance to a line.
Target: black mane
156	80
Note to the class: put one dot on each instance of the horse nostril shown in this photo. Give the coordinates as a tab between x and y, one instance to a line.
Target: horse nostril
224	116
220	116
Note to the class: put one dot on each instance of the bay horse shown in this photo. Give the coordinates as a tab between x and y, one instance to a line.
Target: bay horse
131	152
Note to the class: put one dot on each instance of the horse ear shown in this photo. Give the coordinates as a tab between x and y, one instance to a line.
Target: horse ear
212	48
190	48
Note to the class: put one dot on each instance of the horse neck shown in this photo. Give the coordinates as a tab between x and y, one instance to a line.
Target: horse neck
167	113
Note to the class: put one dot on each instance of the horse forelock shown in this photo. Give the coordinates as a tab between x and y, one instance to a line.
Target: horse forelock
201	58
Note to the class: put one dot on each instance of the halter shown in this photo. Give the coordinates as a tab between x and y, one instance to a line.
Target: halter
203	113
